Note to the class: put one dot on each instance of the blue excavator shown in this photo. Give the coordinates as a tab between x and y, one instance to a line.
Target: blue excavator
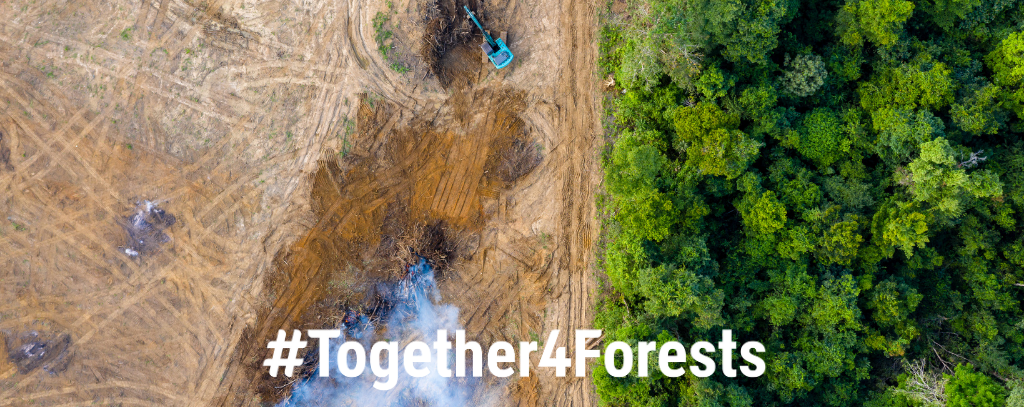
496	50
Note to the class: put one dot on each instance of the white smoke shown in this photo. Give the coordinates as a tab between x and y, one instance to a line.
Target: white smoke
417	315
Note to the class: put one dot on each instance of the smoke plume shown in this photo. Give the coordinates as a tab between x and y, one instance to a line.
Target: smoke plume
417	316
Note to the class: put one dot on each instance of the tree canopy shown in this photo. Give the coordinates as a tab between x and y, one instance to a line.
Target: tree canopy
840	180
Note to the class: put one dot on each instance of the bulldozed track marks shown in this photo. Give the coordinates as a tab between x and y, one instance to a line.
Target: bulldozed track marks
214	110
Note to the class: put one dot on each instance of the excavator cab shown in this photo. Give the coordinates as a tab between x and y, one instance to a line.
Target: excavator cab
495	49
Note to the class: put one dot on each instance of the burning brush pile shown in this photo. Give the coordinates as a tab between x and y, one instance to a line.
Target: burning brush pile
406	310
393	301
414	258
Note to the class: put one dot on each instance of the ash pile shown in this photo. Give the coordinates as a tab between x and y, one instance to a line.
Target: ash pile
32	349
145	229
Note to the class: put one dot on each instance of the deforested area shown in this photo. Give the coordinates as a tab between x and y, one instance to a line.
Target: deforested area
377	216
838	180
180	180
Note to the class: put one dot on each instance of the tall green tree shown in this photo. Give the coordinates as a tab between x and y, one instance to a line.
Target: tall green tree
967	388
1007	63
877	21
711	140
938	180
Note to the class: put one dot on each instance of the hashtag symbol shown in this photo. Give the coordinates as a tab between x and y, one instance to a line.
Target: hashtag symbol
281	344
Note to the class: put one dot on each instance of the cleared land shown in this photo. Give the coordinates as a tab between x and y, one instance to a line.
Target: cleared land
300	163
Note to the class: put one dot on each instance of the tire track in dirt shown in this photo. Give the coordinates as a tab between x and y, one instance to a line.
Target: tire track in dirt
66	166
149	303
66	149
168	394
578	125
137	74
88	128
82	168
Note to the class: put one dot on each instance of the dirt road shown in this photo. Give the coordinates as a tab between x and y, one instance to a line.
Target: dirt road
222	113
578	122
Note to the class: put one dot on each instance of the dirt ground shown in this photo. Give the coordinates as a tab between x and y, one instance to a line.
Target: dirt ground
298	164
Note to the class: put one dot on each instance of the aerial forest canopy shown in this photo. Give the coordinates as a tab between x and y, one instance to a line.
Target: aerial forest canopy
842	181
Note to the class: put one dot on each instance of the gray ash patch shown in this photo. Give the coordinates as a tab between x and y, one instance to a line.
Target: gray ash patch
145	229
32	349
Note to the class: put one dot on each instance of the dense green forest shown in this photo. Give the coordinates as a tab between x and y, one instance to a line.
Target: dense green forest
842	181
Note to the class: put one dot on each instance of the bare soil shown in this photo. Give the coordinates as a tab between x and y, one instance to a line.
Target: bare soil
298	168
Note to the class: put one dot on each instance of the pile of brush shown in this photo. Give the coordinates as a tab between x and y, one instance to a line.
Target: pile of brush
449	40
